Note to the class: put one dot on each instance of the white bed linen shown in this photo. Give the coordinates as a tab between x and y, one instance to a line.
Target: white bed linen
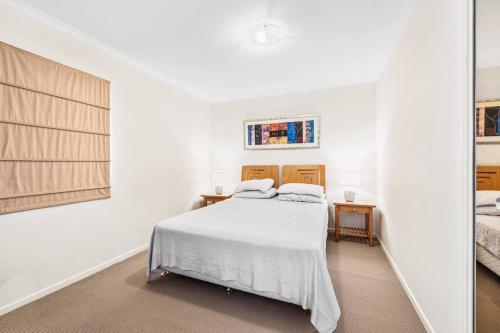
488	259
274	248
488	233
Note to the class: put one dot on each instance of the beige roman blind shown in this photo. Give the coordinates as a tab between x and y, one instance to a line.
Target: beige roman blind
54	133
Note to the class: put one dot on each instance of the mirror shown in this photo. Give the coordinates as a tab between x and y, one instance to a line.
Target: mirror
487	217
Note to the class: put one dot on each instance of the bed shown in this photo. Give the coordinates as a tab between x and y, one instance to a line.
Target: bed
488	226
267	247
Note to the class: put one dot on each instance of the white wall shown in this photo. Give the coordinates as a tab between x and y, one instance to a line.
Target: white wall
347	135
160	138
488	83
488	154
487	32
488	88
422	162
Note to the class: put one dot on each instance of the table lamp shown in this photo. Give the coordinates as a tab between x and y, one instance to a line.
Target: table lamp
217	180
349	179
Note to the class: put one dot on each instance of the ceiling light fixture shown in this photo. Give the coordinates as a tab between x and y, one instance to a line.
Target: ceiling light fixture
266	34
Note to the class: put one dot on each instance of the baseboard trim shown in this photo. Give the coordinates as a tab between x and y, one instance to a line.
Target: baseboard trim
75	278
413	300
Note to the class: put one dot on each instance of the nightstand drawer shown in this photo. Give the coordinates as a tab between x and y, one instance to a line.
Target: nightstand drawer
357	210
213	198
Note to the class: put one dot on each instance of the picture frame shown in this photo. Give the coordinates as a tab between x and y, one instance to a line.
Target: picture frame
488	122
293	132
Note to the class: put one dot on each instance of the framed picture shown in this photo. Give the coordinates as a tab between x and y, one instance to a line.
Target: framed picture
282	133
488	122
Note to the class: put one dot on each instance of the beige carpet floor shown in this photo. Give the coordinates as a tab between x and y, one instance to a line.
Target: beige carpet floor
119	300
487	300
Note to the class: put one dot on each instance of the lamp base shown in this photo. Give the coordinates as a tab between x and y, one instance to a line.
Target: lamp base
218	189
349	195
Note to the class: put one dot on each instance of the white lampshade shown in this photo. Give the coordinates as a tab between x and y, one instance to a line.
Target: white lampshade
218	176
266	34
350	178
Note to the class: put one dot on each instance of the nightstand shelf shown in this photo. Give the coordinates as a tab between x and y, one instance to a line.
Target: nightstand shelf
354	232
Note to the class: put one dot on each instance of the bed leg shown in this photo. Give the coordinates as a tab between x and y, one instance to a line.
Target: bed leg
228	290
164	273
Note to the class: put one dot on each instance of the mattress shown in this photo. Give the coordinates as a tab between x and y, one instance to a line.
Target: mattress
266	246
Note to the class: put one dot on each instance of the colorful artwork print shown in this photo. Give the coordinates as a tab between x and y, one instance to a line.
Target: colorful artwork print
488	121
296	132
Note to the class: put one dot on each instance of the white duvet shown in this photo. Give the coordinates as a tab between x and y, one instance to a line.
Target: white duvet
488	233
272	247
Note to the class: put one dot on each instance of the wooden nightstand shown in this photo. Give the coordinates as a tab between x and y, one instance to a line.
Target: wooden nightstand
213	198
356	208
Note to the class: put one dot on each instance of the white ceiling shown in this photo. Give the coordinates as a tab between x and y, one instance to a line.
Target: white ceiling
204	46
488	33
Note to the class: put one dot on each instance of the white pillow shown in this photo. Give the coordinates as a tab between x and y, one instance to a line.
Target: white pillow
301	198
487	210
255	185
299	188
486	198
256	194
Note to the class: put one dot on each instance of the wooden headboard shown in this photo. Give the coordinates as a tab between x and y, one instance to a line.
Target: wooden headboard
487	178
309	174
249	172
